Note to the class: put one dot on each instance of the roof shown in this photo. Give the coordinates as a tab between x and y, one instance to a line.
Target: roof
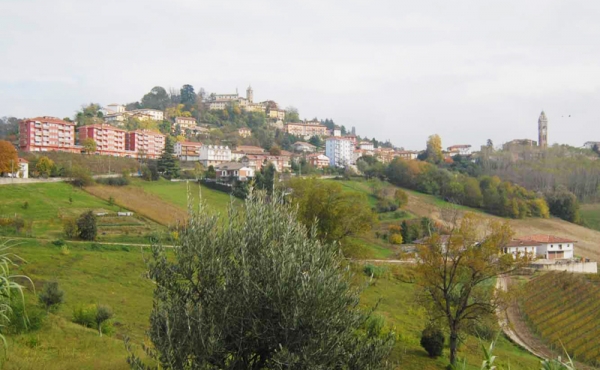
303	143
230	166
22	160
249	149
522	243
544	238
186	118
189	143
49	119
102	127
459	146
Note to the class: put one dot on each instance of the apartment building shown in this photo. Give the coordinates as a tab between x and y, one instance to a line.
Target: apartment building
212	155
185	122
306	129
154	114
43	134
109	139
281	163
187	151
318	160
340	151
145	143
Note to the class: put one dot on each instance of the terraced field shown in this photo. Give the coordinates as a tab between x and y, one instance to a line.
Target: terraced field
564	310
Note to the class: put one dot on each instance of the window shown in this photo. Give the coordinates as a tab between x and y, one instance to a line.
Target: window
560	246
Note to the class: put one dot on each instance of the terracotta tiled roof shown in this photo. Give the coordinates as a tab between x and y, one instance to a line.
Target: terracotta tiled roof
103	127
544	238
21	160
49	119
522	243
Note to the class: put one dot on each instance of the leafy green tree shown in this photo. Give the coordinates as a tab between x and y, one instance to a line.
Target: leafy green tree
89	114
79	176
316	141
291	114
103	314
258	291
275	150
401	198
338	214
563	204
157	98
51	296
211	173
432	340
87	228
168	164
188	96
89	145
44	166
9	160
70	228
265	179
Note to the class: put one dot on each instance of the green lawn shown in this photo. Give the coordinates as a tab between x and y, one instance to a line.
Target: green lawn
46	205
590	215
177	193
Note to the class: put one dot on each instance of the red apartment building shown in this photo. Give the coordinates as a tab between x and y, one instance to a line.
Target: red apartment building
43	134
109	139
145	143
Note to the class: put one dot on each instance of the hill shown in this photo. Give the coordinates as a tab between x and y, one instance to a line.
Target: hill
562	308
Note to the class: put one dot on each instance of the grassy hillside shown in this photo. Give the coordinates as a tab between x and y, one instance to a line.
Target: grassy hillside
97	164
44	206
563	309
590	215
115	276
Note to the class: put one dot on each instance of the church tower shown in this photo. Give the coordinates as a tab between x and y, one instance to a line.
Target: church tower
249	94
543	131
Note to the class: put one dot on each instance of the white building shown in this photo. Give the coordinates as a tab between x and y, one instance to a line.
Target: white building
154	114
21	169
459	149
340	151
543	246
591	144
211	155
366	145
301	146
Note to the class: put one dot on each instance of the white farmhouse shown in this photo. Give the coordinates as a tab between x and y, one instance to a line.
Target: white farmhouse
551	247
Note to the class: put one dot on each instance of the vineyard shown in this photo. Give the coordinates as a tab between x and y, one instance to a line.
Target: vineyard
564	310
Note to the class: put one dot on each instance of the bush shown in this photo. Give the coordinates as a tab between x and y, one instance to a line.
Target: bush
386	205
401	198
87	228
80	176
26	205
70	228
114	181
18	223
432	340
103	314
85	316
395	239
51	296
22	319
58	242
374	271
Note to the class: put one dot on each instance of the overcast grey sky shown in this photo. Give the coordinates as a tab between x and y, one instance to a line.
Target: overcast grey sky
397	70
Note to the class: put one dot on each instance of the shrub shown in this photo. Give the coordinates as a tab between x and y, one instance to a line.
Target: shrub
87	228
26	205
114	181
85	316
111	201
432	340
23	320
51	296
80	176
18	223
58	242
395	239
401	198
386	205
103	314
70	228
374	271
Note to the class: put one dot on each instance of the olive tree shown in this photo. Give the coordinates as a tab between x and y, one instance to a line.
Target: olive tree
257	291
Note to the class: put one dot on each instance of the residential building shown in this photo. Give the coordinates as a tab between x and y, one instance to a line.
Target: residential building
407	154
187	150
551	247
282	163
243	150
154	114
520	248
144	143
459	149
366	145
543	130
336	131
185	122
352	138
591	144
114	108
233	171
42	134
218	104
226	97
245	132
301	146
340	151
306	129
109	139
385	155
20	169
317	160
212	155
277	114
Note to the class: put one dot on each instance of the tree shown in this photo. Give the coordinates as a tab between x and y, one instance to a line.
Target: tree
210	172
337	213
198	170
157	98
490	144
257	291
454	273
70	228
401	197
89	114
9	159
168	164
275	150
80	176
316	141
87	228
89	145
188	96
432	340
103	314
44	166
265	179
291	114
51	296
564	204
434	150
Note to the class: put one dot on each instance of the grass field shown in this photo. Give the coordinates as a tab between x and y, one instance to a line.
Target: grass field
48	204
563	309
590	215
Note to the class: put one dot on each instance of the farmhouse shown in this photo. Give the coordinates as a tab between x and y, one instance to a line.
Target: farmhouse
550	247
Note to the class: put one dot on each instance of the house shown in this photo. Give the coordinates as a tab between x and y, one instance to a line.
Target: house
550	247
153	114
406	154
340	151
21	169
591	144
187	150
317	160
385	155
258	161
366	145
242	150
459	150
521	248
144	144
233	170
211	155
244	132
277	114
306	129
185	123
109	139
43	134
301	146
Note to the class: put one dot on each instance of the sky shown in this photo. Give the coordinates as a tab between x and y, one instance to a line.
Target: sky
396	70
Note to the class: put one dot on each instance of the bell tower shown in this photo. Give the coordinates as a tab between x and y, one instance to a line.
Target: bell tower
249	94
543	131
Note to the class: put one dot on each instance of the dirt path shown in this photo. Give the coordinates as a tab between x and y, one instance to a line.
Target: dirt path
514	326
